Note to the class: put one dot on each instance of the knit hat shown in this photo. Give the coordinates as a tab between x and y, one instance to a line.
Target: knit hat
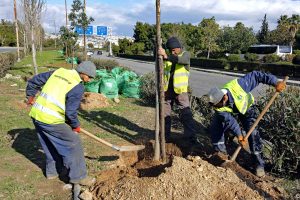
88	68
172	43
215	95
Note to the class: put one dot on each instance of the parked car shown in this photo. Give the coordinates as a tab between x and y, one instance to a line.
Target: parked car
89	53
99	52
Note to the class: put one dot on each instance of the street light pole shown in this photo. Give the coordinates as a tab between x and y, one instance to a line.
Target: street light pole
66	11
84	36
17	30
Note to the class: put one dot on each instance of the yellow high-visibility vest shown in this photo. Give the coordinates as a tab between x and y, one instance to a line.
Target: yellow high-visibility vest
242	99
49	107
180	79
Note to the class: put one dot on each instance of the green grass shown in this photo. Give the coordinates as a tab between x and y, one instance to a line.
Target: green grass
45	60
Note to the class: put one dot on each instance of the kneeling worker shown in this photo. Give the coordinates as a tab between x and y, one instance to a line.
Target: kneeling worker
235	99
54	114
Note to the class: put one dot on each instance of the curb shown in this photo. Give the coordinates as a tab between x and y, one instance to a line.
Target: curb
289	82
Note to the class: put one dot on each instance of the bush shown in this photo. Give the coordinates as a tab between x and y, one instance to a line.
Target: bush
296	59
105	64
201	110
271	58
281	128
297	52
251	57
209	63
289	57
148	89
234	58
6	61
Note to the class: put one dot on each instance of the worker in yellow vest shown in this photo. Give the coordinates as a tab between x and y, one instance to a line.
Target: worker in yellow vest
234	101
176	79
54	115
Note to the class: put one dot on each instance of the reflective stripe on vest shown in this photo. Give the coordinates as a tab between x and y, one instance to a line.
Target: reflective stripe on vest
180	79
242	99
49	107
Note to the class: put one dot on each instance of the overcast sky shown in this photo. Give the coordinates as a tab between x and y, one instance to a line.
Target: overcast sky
122	15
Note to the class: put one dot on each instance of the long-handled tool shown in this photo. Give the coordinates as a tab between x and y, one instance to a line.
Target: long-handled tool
118	148
234	155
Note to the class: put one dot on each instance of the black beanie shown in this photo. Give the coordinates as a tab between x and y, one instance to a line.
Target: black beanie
172	43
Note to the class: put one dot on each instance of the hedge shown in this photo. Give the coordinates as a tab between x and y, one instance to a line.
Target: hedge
276	69
7	60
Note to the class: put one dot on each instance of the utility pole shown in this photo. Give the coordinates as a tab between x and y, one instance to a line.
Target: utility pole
55	34
66	11
84	36
109	39
17	30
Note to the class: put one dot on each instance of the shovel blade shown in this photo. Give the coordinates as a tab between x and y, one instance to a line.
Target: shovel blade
131	148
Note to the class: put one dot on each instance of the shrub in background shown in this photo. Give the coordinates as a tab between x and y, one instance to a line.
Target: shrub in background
297	52
280	127
251	57
296	59
201	110
234	58
148	89
105	63
271	58
289	57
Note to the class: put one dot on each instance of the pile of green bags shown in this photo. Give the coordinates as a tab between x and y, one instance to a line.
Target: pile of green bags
118	81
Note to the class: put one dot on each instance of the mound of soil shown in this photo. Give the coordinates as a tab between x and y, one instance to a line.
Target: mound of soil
180	178
93	100
184	179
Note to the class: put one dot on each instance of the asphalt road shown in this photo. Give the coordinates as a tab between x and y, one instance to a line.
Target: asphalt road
7	49
200	82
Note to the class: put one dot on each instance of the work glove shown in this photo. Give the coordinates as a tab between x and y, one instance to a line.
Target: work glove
280	86
242	141
30	101
77	129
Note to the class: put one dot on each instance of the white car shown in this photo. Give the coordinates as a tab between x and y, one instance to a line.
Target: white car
89	53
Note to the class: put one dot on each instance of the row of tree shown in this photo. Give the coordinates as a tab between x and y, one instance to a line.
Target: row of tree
208	37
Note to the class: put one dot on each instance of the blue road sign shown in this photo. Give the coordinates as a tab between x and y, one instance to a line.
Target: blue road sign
101	30
79	30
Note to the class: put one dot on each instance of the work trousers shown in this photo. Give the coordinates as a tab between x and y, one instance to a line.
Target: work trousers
186	117
218	128
63	148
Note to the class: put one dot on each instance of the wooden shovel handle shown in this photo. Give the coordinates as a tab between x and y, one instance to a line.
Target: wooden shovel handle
233	157
96	138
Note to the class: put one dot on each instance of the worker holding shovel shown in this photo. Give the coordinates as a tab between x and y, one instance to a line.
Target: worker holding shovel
54	114
235	100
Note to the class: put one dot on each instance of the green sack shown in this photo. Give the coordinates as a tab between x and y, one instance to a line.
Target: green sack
132	88
92	86
72	59
100	73
109	87
117	73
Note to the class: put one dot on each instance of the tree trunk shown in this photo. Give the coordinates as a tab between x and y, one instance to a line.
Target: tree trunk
160	85
33	52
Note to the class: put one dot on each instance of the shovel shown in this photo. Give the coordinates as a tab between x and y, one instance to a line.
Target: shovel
235	154
118	148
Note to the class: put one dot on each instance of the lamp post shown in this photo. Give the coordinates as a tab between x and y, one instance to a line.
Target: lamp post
17	30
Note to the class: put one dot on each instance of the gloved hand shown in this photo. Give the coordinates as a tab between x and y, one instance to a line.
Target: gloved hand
30	101
280	86
77	129
242	141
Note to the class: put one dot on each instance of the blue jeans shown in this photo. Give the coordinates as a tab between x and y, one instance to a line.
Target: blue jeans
62	148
